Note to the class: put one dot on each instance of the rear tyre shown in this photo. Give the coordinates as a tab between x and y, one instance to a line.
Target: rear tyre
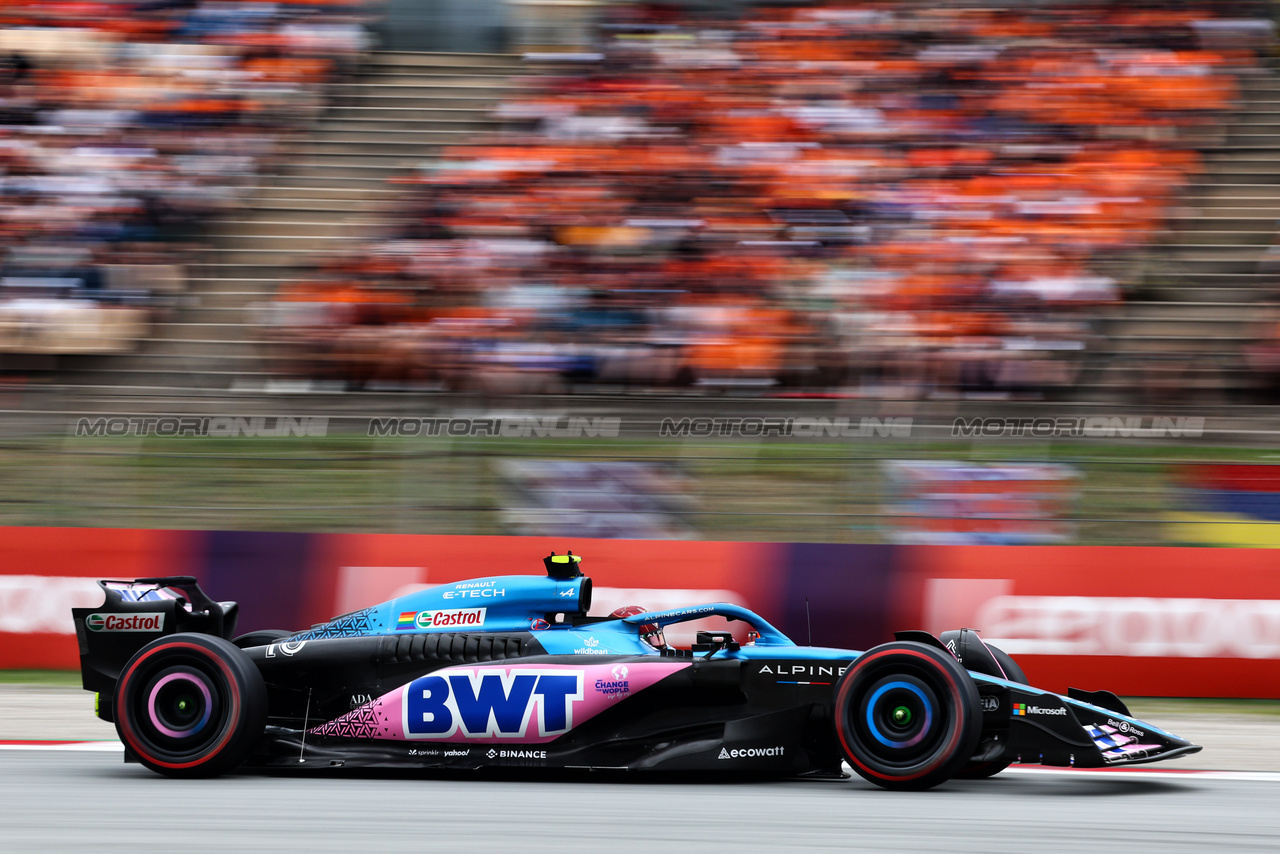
190	705
907	715
983	770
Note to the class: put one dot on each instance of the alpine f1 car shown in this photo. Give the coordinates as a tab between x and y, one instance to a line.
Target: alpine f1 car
511	671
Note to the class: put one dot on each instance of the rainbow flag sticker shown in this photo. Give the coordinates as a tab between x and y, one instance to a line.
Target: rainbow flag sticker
406	620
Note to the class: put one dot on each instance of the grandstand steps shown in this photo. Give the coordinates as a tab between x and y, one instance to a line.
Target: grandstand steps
371	166
391	81
1224	190
411	121
388	144
399	60
333	224
1207	231
1196	332
1194	305
405	102
318	206
421	108
354	184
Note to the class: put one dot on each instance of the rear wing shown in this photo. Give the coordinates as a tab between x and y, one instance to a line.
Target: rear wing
133	614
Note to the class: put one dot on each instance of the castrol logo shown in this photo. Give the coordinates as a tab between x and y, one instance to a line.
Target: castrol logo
452	618
125	622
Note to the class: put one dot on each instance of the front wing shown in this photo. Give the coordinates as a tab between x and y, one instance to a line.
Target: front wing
1048	729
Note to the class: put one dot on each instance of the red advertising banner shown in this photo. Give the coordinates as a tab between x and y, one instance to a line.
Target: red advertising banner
1136	621
45	572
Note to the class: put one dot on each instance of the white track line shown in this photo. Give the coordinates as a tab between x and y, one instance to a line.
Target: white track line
1170	773
89	746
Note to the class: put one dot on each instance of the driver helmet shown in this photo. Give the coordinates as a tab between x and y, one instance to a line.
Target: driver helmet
650	632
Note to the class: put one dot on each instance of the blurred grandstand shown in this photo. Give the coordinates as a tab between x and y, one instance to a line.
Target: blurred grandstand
860	209
904	201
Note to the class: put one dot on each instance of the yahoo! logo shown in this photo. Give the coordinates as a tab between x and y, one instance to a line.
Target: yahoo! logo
492	703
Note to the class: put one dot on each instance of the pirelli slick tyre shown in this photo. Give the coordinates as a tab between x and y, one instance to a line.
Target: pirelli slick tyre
983	770
190	705
907	715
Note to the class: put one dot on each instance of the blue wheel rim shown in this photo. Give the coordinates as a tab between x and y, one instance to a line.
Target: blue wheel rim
875	730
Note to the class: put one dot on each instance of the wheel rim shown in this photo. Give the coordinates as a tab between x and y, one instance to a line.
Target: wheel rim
178	708
180	704
897	719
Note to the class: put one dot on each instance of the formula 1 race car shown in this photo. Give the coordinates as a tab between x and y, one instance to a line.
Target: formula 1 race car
510	671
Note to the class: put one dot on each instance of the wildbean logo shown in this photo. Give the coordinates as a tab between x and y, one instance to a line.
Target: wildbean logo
125	622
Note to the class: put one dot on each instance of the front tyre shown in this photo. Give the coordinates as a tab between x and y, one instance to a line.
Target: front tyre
190	705
907	715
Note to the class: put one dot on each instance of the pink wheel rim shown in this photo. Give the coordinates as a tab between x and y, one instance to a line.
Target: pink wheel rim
155	719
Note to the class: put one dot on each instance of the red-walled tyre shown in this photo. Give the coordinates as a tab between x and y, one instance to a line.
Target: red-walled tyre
908	716
190	705
983	770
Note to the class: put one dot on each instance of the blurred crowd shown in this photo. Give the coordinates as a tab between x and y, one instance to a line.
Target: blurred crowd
124	126
905	198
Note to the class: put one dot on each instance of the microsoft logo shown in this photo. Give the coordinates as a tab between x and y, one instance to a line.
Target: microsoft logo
1022	709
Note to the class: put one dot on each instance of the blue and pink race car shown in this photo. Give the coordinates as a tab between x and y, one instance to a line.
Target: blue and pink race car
514	671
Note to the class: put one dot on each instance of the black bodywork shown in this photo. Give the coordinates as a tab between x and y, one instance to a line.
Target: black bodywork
719	706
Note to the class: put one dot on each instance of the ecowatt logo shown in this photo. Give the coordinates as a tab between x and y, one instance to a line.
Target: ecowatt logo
750	752
125	622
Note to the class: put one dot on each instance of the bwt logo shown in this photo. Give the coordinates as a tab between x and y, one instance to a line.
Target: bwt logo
492	703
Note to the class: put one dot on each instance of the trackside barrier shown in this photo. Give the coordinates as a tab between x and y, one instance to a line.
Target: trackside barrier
1139	621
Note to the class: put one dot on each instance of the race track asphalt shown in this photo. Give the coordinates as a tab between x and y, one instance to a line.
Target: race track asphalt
90	801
